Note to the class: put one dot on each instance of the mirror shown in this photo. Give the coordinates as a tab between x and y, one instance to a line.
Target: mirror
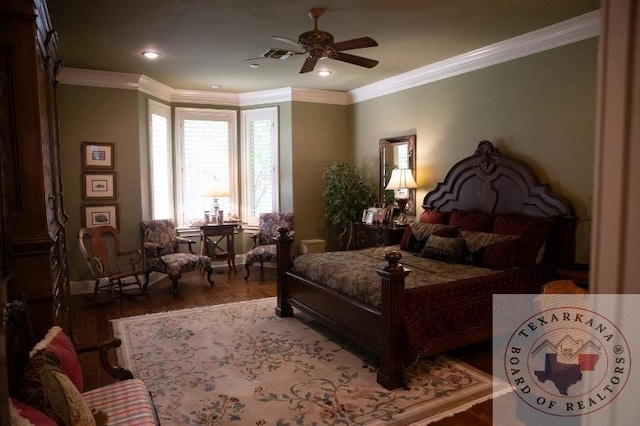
397	152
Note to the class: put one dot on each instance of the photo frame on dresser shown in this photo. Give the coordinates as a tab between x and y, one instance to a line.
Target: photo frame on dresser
100	215
99	186
98	155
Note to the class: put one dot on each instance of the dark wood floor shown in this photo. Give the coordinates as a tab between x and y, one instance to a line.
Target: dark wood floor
91	322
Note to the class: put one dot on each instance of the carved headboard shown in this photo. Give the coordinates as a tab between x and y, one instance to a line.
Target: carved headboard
490	182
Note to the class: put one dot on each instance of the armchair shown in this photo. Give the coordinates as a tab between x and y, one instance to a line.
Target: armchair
100	247
161	245
264	248
46	384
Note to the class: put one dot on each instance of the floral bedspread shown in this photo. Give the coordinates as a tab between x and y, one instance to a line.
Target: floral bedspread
442	300
353	273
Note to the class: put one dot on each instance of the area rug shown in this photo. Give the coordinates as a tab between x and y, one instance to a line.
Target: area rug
241	364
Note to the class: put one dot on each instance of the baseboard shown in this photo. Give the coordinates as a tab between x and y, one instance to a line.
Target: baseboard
86	286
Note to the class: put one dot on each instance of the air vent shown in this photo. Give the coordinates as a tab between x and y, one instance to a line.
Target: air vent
277	54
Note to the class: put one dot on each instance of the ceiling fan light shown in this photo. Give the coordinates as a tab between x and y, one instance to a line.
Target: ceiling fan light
149	54
324	73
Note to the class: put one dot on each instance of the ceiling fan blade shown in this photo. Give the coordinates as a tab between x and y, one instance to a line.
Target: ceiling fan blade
355	60
289	41
309	64
356	43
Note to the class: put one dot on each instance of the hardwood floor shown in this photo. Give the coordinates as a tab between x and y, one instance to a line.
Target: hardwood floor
91	322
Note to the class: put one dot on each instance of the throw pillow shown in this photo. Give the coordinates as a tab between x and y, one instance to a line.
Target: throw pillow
471	221
21	414
443	248
533	231
430	216
489	250
416	234
57	342
45	387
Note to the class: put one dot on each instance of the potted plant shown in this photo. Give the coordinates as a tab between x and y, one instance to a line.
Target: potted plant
346	194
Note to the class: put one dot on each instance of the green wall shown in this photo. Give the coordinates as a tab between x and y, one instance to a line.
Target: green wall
100	115
540	108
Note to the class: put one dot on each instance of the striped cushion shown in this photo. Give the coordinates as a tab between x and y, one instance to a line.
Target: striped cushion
126	403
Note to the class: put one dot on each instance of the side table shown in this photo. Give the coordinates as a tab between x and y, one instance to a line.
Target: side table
578	274
377	235
210	238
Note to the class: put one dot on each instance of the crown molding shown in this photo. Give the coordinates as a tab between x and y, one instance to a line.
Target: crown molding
95	78
570	31
566	32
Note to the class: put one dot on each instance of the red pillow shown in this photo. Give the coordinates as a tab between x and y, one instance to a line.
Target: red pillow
21	412
533	230
57	342
471	221
430	216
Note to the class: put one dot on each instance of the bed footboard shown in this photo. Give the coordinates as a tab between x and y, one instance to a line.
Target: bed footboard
376	330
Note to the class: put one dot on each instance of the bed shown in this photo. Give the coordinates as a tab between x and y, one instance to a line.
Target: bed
411	314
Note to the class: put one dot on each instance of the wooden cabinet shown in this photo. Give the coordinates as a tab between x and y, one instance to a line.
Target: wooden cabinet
31	174
377	235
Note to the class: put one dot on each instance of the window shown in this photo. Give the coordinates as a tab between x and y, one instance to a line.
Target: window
206	149
259	163
160	160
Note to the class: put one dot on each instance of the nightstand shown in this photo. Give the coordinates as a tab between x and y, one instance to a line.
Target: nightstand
579	274
377	235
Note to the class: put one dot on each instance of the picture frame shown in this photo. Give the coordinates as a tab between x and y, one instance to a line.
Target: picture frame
99	186
370	217
100	215
98	155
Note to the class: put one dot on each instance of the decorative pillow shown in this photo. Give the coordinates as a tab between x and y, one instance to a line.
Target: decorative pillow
534	232
58	343
471	221
45	387
443	248
416	234
430	216
21	414
489	250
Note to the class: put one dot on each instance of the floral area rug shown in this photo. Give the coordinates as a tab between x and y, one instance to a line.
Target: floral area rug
241	364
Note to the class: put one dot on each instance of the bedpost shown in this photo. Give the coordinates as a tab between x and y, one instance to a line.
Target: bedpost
284	262
390	374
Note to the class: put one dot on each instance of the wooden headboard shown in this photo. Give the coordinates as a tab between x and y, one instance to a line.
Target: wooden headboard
490	182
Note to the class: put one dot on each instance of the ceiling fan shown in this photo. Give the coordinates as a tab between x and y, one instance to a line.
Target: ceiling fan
319	44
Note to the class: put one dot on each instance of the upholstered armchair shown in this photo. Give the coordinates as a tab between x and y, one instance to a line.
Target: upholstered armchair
162	253
264	247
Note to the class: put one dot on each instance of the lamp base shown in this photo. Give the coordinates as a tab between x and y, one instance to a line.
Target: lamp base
402	204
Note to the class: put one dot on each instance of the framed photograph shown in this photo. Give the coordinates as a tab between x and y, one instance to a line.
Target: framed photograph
99	186
371	214
100	215
97	155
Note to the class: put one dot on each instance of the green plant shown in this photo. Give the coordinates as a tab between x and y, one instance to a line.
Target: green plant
346	194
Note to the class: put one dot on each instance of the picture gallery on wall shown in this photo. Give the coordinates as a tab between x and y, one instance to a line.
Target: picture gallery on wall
99	185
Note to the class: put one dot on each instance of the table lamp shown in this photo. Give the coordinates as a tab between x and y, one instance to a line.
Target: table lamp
215	189
401	180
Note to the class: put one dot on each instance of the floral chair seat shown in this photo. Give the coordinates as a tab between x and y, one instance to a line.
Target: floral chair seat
264	248
162	253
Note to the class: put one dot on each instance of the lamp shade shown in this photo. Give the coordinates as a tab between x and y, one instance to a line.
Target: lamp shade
401	179
216	189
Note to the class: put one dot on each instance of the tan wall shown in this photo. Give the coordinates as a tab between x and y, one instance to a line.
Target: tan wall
321	136
100	115
540	108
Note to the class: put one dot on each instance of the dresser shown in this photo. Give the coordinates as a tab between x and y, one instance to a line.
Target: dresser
377	235
32	199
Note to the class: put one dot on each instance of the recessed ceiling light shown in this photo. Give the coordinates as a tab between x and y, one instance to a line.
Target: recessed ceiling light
150	54
215	86
254	65
324	73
